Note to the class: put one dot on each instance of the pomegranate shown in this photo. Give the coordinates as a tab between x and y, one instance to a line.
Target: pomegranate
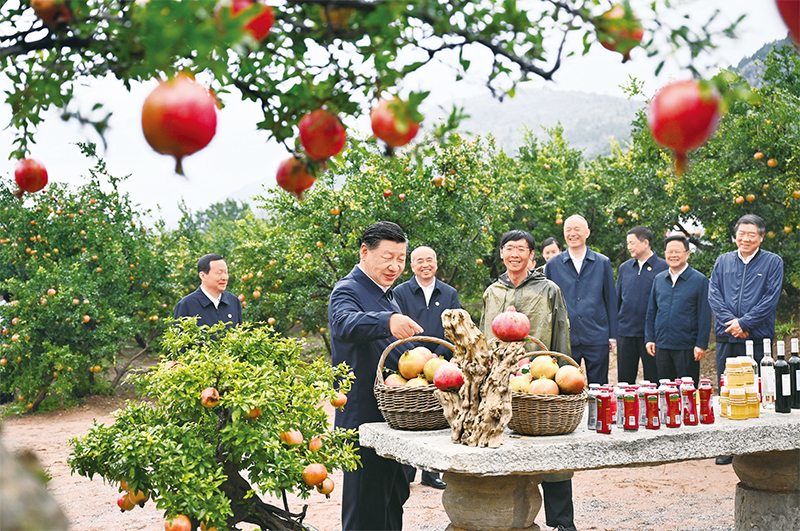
257	25
125	503
294	177
53	13
321	134
179	523
570	380
394	123
209	397
340	400
254	413
511	325
619	30
326	487
543	386
395	380
291	437
520	384
314	474
682	116
139	497
179	118
430	367
419	381
790	11
448	377
411	363
315	443
31	176
544	367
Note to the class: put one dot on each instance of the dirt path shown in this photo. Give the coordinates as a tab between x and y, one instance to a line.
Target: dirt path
685	496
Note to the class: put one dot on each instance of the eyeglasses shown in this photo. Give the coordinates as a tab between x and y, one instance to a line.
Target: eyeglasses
518	248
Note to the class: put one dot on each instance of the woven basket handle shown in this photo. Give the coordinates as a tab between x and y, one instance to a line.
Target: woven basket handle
538	343
387	350
549	353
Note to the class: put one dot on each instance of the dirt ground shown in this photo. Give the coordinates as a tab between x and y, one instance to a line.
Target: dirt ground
697	495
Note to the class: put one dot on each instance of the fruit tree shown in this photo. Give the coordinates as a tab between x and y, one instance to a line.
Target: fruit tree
83	278
209	461
300	55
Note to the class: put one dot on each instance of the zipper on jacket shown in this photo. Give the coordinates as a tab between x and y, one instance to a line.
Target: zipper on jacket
741	290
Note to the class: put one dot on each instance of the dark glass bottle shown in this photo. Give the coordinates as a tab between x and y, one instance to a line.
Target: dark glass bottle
783	386
794	374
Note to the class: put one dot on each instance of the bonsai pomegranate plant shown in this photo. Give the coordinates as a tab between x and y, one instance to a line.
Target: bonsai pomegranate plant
192	460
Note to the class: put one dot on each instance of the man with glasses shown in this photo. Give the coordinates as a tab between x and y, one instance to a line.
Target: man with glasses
587	282
743	294
424	298
678	315
528	291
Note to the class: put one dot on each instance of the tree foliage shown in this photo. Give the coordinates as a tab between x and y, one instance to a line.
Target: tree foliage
84	278
213	463
340	53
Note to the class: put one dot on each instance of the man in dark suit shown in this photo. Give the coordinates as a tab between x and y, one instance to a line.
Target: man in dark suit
634	283
364	320
587	283
210	302
424	298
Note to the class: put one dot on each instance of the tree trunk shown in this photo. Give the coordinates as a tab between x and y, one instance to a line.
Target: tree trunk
481	410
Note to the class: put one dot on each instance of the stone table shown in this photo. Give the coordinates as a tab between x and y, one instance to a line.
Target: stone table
494	489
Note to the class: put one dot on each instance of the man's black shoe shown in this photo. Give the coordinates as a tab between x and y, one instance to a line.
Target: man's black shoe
435	483
563	528
724	460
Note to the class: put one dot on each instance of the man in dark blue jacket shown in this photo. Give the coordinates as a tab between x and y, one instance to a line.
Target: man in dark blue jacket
364	320
587	283
210	302
745	288
678	315
634	281
424	298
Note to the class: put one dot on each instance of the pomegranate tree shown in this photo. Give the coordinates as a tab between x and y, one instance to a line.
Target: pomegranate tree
293	177
619	30
682	116
393	121
321	134
31	176
179	118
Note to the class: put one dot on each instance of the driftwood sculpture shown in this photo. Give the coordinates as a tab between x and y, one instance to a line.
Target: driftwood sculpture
481	410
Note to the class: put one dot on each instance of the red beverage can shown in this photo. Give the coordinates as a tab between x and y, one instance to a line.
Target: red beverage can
613	404
673	408
604	411
652	413
689	400
631	421
706	405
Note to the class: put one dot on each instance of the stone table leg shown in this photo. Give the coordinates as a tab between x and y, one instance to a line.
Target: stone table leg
768	496
491	503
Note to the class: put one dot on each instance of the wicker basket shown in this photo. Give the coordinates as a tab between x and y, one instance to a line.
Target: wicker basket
409	408
546	414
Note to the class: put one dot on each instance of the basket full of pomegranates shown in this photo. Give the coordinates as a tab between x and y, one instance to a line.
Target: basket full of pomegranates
405	398
547	399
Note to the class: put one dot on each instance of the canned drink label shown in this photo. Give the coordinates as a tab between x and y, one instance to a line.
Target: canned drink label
652	414
631	412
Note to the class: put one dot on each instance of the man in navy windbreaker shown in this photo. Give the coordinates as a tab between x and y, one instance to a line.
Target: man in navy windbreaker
364	320
587	283
744	291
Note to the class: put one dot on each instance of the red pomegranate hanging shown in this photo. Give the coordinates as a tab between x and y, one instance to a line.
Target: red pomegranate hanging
293	177
392	122
321	134
179	118
682	116
31	176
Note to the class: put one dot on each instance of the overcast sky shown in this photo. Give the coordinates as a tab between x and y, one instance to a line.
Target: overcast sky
241	157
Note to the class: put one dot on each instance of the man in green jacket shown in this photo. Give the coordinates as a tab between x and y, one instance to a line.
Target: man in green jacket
529	292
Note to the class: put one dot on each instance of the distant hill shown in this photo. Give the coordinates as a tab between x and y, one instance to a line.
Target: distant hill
590	121
751	68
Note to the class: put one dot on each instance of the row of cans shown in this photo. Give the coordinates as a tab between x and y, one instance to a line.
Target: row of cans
650	406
